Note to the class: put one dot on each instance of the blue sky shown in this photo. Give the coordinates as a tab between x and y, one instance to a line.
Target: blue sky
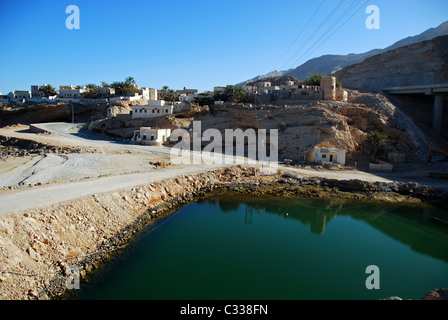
189	43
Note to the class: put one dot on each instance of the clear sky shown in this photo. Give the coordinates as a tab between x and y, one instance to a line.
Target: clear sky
196	44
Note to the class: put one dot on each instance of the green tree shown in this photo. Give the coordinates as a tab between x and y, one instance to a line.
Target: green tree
233	94
48	90
315	79
375	143
124	87
204	99
130	81
171	95
92	91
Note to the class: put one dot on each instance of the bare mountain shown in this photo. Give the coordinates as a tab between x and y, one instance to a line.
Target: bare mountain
421	63
329	64
273	74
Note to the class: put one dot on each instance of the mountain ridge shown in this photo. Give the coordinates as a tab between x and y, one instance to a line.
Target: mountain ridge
331	63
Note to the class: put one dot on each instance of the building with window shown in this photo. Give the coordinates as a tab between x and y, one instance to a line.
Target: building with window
151	136
323	156
154	109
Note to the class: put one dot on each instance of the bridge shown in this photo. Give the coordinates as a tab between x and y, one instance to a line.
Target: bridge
436	90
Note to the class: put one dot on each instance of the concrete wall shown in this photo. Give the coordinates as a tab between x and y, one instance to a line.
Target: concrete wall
381	167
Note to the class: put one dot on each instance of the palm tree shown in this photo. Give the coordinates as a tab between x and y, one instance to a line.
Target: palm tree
130	81
375	142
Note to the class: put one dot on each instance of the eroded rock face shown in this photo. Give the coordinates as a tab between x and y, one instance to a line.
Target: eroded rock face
422	63
438	294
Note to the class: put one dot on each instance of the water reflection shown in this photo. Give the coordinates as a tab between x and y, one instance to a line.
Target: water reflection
413	226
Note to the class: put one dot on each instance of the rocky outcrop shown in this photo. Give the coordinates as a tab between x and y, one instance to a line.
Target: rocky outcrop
422	63
342	125
438	294
61	111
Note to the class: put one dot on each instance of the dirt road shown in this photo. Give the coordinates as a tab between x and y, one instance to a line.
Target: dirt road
68	179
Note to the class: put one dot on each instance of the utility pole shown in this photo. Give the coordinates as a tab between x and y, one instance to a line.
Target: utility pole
300	144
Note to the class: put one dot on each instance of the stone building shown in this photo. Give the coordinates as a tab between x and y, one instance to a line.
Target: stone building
328	88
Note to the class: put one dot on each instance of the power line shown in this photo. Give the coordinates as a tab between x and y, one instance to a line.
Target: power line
345	13
317	30
300	33
356	11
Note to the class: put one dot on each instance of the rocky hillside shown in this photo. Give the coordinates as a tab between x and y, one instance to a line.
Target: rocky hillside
342	125
39	113
415	64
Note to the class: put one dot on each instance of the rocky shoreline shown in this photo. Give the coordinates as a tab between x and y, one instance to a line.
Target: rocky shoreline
38	246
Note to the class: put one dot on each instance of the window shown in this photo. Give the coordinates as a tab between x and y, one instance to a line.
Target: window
324	156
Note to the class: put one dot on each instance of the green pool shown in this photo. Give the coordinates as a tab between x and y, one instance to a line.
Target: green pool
243	247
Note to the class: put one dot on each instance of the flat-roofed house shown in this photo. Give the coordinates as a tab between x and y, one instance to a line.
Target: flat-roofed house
151	136
154	109
324	155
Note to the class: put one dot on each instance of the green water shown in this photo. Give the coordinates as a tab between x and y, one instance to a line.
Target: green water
235	248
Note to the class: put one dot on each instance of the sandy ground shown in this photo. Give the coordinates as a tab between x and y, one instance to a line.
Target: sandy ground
108	166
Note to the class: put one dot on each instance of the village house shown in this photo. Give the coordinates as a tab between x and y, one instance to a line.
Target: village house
187	92
329	156
105	92
19	95
36	91
291	91
154	108
154	136
71	92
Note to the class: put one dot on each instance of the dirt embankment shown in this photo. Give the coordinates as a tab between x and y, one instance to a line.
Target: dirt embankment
38	246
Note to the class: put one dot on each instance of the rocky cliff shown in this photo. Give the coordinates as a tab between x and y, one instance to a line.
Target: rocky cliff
415	64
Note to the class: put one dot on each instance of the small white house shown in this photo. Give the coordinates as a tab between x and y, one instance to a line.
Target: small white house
330	155
148	135
154	109
19	95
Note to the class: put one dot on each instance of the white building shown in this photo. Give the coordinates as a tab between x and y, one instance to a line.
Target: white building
71	92
330	155
155	108
151	135
19	95
342	95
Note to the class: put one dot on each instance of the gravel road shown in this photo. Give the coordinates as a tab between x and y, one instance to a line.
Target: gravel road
80	175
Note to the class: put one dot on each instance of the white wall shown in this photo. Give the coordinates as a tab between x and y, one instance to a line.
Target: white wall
145	112
329	155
